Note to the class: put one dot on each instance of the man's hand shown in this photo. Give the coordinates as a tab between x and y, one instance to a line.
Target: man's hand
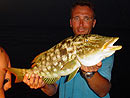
91	68
34	82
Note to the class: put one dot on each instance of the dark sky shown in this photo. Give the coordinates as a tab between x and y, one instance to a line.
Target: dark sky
55	13
32	20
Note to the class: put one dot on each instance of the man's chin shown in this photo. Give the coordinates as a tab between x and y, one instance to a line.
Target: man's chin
77	33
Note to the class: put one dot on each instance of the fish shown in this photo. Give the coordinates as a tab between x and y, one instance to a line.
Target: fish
66	57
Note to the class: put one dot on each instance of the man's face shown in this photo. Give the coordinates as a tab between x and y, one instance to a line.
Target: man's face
82	20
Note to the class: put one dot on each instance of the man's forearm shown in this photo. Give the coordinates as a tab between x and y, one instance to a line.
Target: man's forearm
2	93
99	84
50	89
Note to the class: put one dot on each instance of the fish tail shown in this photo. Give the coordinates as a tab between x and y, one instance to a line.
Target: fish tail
19	73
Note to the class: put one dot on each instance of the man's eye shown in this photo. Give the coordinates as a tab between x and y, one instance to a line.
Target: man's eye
76	18
88	18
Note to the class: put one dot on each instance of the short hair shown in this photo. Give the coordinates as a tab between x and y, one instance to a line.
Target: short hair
83	3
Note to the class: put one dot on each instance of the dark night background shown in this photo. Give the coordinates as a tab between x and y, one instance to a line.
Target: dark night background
29	27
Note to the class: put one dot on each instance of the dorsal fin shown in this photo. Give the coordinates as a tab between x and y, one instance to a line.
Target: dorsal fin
33	65
37	57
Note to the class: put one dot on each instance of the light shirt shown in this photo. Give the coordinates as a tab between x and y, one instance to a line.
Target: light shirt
78	87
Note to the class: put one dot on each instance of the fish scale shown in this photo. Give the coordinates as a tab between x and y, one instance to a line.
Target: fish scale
66	57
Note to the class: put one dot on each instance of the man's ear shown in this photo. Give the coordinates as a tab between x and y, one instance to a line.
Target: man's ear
70	23
94	23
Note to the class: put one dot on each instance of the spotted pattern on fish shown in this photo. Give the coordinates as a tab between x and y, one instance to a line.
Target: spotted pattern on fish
66	57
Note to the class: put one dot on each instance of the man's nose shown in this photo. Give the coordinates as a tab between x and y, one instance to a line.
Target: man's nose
81	23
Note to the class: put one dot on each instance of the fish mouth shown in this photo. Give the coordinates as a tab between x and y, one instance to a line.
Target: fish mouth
110	44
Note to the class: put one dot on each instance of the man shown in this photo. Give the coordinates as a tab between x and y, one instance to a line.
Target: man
92	86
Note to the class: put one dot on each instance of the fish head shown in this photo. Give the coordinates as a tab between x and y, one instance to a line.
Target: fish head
95	48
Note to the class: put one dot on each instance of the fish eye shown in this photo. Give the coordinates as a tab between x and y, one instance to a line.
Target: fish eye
86	40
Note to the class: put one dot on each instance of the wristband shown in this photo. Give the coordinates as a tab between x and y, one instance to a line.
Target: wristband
88	75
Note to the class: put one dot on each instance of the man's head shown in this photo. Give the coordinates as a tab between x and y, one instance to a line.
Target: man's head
82	17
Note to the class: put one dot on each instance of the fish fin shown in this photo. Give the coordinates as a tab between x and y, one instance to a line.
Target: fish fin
19	73
50	80
69	65
37	57
33	65
70	69
71	76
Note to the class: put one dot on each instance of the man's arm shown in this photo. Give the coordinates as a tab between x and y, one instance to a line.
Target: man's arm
97	83
50	90
4	62
2	73
36	82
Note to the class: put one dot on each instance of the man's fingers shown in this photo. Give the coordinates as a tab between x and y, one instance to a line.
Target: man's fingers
84	68
25	79
99	64
88	69
36	82
40	80
32	78
91	68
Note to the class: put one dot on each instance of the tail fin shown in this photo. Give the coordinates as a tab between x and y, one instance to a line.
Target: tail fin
19	73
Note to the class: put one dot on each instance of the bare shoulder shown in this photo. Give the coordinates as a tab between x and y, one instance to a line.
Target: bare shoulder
4	59
1	50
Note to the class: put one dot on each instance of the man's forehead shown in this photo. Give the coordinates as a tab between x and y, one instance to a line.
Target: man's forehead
82	10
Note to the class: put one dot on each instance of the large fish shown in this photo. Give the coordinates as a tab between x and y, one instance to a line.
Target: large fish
66	57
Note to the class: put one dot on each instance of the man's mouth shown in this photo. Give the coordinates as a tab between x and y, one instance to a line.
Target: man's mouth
81	29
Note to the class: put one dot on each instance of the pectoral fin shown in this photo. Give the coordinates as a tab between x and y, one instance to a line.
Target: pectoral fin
69	67
71	76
